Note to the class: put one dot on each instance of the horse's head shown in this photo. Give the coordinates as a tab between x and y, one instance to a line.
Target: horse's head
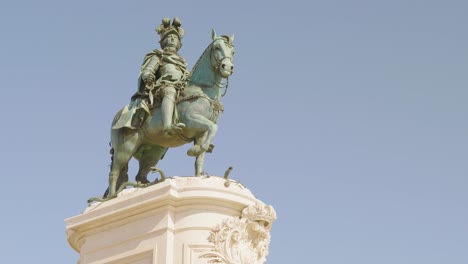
222	52
213	65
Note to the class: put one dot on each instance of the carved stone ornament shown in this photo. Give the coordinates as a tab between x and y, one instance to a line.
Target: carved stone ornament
243	240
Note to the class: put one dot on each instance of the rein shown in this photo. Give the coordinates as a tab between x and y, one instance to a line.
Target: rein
227	85
218	84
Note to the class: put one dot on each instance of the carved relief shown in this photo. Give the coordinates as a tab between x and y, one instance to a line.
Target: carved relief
243	240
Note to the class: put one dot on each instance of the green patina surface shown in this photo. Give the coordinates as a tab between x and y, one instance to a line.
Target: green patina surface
172	107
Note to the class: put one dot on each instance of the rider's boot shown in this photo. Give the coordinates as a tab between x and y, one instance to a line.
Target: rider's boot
167	111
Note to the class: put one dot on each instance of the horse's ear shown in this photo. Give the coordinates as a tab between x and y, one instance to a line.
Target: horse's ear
213	34
232	38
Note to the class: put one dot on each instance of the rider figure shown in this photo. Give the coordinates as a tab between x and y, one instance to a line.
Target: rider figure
162	75
165	71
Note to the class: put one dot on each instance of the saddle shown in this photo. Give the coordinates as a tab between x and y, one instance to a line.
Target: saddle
135	113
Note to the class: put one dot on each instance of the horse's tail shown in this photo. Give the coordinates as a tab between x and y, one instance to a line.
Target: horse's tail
111	152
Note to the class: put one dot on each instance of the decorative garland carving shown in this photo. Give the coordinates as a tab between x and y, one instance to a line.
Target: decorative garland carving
244	239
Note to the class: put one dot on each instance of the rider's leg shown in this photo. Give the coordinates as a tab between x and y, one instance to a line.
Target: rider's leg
167	110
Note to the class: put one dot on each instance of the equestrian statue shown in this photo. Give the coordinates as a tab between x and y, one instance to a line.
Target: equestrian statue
172	107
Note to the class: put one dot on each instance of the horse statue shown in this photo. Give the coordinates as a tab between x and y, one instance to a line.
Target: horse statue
198	107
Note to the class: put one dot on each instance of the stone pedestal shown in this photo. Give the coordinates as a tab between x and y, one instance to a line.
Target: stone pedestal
181	220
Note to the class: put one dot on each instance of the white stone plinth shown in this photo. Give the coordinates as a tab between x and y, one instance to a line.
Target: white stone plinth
169	222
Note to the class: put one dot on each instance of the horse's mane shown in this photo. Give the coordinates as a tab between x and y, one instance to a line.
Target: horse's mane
202	56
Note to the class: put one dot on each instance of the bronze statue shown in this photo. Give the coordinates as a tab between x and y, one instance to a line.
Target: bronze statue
172	107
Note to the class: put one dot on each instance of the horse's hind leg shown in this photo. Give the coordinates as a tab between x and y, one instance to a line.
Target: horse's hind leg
125	143
147	159
118	173
123	177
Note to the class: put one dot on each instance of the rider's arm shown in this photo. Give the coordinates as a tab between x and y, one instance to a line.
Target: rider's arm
148	73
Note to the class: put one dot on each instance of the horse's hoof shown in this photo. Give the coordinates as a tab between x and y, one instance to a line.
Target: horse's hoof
210	149
194	151
142	180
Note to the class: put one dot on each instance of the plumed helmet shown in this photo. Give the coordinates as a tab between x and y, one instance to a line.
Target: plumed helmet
166	28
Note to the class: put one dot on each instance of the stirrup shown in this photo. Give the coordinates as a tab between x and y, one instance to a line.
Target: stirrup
175	129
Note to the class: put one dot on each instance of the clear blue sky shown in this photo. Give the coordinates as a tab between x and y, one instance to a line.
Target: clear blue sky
349	117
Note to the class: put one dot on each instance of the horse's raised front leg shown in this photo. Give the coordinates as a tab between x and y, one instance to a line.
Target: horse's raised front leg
202	124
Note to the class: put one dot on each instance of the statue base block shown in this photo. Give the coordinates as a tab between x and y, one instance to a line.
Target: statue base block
180	220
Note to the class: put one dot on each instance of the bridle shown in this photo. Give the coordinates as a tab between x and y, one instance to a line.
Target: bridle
218	62
218	65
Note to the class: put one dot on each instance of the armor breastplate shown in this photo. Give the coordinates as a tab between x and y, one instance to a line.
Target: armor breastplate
170	72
